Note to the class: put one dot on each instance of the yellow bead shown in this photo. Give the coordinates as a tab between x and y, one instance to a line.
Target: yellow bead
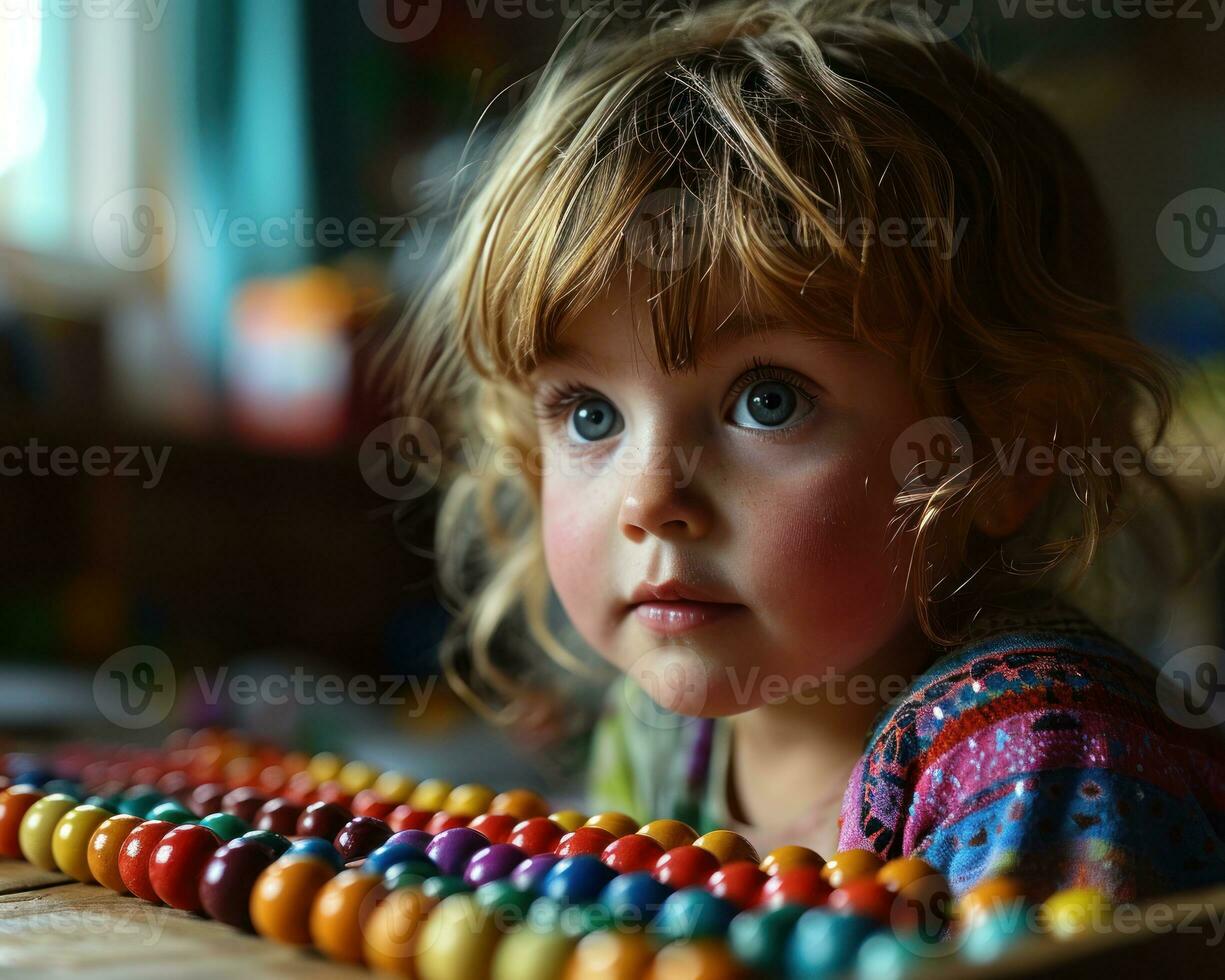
703	959
468	800
356	776
1075	911
568	820
324	767
848	865
522	804
617	824
611	956
529	955
790	856
430	794
394	786
38	828
457	940
70	842
669	833
989	898
727	846
900	872
390	937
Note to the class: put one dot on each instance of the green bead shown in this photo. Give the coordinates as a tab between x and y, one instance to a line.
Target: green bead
171	812
505	900
444	886
758	936
225	825
105	802
277	843
693	913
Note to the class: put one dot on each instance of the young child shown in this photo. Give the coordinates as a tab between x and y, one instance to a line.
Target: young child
762	300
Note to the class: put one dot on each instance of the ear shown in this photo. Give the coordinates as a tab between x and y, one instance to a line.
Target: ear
1004	512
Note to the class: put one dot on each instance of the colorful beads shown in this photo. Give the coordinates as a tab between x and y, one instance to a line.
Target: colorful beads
138	848
634	852
685	866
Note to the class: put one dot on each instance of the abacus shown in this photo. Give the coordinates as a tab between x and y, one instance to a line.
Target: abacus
436	881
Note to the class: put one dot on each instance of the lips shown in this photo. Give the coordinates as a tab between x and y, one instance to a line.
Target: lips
673	607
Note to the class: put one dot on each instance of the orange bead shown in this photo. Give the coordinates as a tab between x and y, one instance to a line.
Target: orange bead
521	804
104	847
900	872
283	895
990	897
14	802
568	820
617	824
339	914
610	956
727	846
391	931
704	959
790	856
669	833
846	866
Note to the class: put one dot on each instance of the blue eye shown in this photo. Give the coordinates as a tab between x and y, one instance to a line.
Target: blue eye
770	405
594	419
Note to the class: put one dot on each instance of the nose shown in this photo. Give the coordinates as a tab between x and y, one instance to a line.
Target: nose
661	501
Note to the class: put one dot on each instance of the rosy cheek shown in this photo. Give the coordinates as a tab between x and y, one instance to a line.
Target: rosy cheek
575	549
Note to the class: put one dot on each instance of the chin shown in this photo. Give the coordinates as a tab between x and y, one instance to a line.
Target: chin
688	680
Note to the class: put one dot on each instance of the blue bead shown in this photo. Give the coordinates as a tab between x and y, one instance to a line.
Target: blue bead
694	913
577	879
316	847
634	898
825	942
382	858
759	936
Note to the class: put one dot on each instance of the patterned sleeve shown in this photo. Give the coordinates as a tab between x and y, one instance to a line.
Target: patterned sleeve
1054	765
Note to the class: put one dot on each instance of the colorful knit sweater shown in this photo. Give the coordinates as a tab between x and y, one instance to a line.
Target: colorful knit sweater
1036	749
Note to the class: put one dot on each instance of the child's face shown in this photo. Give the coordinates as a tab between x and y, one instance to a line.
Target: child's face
769	490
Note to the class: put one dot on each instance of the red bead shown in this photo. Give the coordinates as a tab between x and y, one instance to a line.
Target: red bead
495	826
323	820
368	803
801	885
243	802
178	864
175	783
442	820
206	799
138	848
300	788
359	837
633	852
404	817
740	882
863	896
585	840
536	835
685	867
333	792
280	816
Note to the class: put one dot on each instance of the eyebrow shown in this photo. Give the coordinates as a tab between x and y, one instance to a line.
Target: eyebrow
735	326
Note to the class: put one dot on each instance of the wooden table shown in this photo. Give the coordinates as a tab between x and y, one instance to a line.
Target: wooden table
51	925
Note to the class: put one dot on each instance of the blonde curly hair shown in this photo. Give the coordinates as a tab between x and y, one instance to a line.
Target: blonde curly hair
772	126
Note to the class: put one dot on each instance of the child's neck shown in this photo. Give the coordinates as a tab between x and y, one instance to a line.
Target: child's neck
791	761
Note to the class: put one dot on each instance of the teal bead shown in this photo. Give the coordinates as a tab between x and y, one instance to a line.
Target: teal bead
444	886
139	800
992	938
66	787
105	802
544	914
505	900
276	842
825	943
886	957
170	812
694	913
759	936
227	826
595	917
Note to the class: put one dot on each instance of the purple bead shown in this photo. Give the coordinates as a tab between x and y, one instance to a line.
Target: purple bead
452	849
416	838
492	863
528	874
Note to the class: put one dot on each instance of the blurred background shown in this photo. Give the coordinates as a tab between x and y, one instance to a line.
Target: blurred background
212	211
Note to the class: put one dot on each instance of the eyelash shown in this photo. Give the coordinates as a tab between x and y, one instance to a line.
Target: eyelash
554	402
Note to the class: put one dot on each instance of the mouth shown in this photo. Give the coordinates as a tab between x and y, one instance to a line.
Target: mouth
673	607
